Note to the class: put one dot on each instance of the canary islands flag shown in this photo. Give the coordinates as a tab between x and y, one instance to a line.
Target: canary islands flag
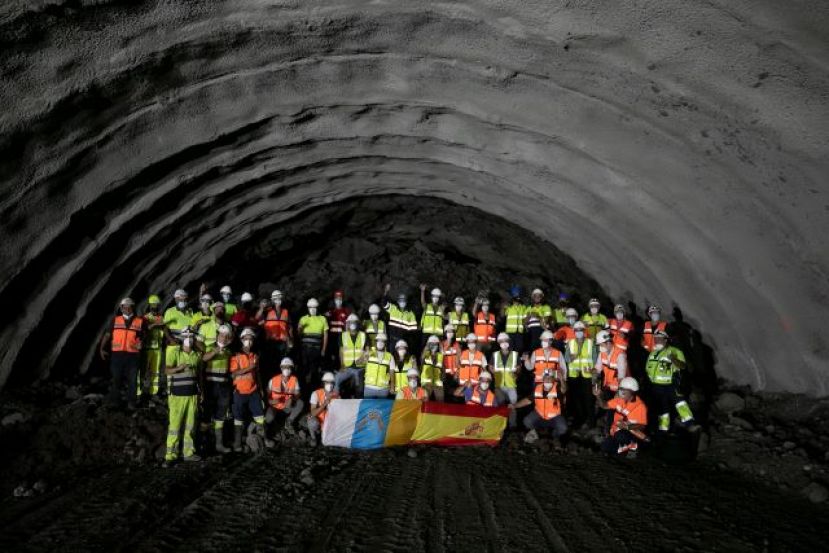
369	423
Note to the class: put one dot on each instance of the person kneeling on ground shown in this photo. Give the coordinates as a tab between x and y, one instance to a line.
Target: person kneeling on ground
283	398
413	390
480	393
320	400
630	419
547	412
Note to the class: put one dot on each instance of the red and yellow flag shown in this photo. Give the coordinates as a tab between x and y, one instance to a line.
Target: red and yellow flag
453	424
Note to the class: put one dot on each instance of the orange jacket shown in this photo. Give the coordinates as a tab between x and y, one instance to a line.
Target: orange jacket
281	391
450	357
471	367
127	337
633	412
609	370
552	362
546	406
620	331
276	325
648	332
484	328
246	383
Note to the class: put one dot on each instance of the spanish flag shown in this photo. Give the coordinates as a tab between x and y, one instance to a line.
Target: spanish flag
454	424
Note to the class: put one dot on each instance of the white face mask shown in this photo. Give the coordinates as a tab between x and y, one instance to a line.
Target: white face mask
473	346
247	343
435	299
484	385
545	344
312	311
620	316
187	343
381	345
459	308
413	383
579	334
401	304
571	320
352	326
226	297
504	346
548	386
655	317
181	304
401	353
338	303
373	316
594	310
485	308
328	386
277	301
450	336
433	347
286	373
659	347
126	315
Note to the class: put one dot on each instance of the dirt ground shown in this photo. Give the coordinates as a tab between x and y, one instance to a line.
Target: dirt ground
77	477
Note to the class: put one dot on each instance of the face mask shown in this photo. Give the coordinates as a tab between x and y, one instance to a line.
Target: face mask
433	347
655	317
329	386
659	347
401	304
485	308
277	301
435	299
545	344
247	343
450	336
312	311
579	334
413	383
338	303
187	343
286	373
472	346
226	297
373	316
401	353
126	315
352	326
594	310
181	305
571	320
484	386
504	346
381	346
548	386
620	316
458	308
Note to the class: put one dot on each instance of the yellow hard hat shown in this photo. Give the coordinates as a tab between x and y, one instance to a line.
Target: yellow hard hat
153	299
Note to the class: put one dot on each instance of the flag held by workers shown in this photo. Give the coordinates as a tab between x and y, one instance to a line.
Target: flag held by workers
369	423
454	424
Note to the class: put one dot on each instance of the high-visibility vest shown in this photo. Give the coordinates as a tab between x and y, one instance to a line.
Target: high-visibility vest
417	393
377	369
460	322
547	404
404	321
336	319
610	368
660	366
432	369
353	348
183	383
505	372
127	337
372	329
648	331
536	315
276	325
154	338
479	397
471	367
515	313
431	322
594	324
320	394
565	334
177	319
546	362
281	391
450	357
634	412
560	314
246	383
485	327
401	379
313	326
620	331
581	361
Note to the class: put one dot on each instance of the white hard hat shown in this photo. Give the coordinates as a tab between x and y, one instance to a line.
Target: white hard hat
412	372
286	362
485	376
594	301
328	377
433	340
578	325
436	292
618	307
206	298
449	327
313	303
276	294
401	344
503	337
225	329
247	297
373	309
537	291
485	301
180	293
602	337
247	332
127	301
629	383
225	290
654	309
571	312
353	319
546	335
381	337
459	301
471	337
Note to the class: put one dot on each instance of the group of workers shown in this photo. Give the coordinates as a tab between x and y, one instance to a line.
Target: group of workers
557	369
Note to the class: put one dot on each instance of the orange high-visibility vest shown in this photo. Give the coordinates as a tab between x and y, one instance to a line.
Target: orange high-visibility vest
450	357
610	369
634	412
485	328
479	397
417	393
246	383
276	325
648	332
544	363
320	400
620	331
547	404
281	391
125	337
471	367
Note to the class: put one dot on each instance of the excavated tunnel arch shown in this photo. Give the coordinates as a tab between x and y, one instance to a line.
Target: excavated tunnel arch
143	141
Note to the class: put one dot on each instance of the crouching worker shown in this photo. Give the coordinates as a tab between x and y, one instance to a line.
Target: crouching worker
630	419
320	400
182	363
479	393
284	402
413	390
547	409
246	399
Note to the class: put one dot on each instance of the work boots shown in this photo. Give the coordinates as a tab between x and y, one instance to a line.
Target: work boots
220	446
237	438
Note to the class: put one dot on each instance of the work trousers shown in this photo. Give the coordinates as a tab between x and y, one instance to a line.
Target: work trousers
216	402
557	424
153	371
290	413
580	402
182	420
124	369
309	371
620	443
665	401
247	404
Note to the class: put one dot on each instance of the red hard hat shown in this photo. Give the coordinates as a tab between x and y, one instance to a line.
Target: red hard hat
338	293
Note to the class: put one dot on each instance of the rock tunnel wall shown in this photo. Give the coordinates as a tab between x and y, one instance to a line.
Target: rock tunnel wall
675	149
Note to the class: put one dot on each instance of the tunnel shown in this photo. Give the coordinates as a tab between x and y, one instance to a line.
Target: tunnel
144	142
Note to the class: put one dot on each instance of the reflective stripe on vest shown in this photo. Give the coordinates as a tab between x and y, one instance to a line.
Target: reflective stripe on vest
460	322
276	325
610	368
450	357
471	367
515	318
401	379
648	332
660	368
431	322
505	373
581	359
418	393
432	369
280	392
546	406
124	336
404	320
353	349
377	370
546	362
320	400
485	327
486	399
619	330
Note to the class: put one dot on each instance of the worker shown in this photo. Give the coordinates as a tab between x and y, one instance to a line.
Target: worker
352	356
319	402
216	337
374	325
379	368
630	418
204	313
124	339
547	359
182	367
565	332
246	395
177	317
402	362
278	334
479	393
580	355
610	369
431	362
153	359
593	320
227	298
547	409
654	325
413	390
458	317
471	363
663	367
312	331
337	316
402	321
484	328
539	318
451	349
506	364
245	316
620	328
560	312
284	402
431	320
514	315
